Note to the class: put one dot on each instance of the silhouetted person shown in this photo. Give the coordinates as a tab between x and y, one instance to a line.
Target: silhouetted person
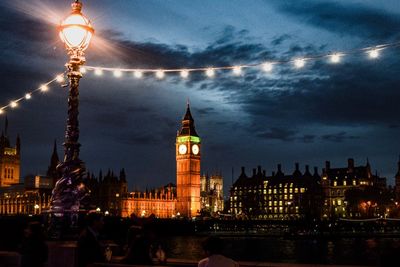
34	249
139	246
213	247
160	255
89	247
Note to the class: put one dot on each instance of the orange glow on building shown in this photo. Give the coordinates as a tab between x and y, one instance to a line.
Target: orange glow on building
142	204
167	202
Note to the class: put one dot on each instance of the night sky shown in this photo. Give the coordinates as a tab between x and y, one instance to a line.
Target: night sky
321	112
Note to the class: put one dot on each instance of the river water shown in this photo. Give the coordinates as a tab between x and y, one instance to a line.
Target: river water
351	251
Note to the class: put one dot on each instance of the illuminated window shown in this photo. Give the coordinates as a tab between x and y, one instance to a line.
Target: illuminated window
269	191
334	183
285	197
290	190
275	203
344	183
280	209
333	202
269	203
339	202
285	190
302	190
280	203
296	190
290	196
265	191
354	182
280	185
291	184
274	191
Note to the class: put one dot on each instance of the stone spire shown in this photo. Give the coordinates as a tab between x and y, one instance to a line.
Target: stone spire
187	128
54	161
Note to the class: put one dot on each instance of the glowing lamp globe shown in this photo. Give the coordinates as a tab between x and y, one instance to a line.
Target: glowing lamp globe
76	30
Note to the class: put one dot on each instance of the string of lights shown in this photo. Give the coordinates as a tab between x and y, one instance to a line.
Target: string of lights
28	95
373	52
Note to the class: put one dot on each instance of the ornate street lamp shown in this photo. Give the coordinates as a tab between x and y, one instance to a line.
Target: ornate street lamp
75	32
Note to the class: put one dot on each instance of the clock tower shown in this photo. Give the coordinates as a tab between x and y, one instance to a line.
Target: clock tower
188	154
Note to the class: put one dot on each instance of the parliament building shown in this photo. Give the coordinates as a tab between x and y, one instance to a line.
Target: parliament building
109	193
173	201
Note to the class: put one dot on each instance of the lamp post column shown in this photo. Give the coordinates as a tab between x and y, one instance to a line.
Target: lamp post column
76	32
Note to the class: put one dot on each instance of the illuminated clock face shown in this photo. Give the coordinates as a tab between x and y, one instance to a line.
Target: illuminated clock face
182	149
195	149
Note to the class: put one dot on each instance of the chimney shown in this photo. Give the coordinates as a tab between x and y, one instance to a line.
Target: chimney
254	172
327	165
307	169
350	163
259	170
279	167
243	171
297	166
264	173
273	173
315	170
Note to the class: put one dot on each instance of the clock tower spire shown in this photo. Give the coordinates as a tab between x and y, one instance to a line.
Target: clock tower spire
188	157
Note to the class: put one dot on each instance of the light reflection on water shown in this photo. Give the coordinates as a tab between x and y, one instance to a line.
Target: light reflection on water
355	251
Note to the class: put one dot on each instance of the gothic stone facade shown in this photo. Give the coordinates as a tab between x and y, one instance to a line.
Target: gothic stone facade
212	195
186	202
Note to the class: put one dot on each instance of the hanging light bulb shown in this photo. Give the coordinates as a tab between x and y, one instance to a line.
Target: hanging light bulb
184	73
138	74
98	72
210	72
13	104
299	63
60	78
160	74
267	67
335	58
374	53
237	70
28	96
117	73
1	111
83	70
44	88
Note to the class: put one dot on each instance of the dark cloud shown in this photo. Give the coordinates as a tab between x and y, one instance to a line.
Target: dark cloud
278	134
280	39
205	111
394	126
344	18
339	137
307	138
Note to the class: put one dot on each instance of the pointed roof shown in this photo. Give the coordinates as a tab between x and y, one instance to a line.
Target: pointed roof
188	128
54	161
54	156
